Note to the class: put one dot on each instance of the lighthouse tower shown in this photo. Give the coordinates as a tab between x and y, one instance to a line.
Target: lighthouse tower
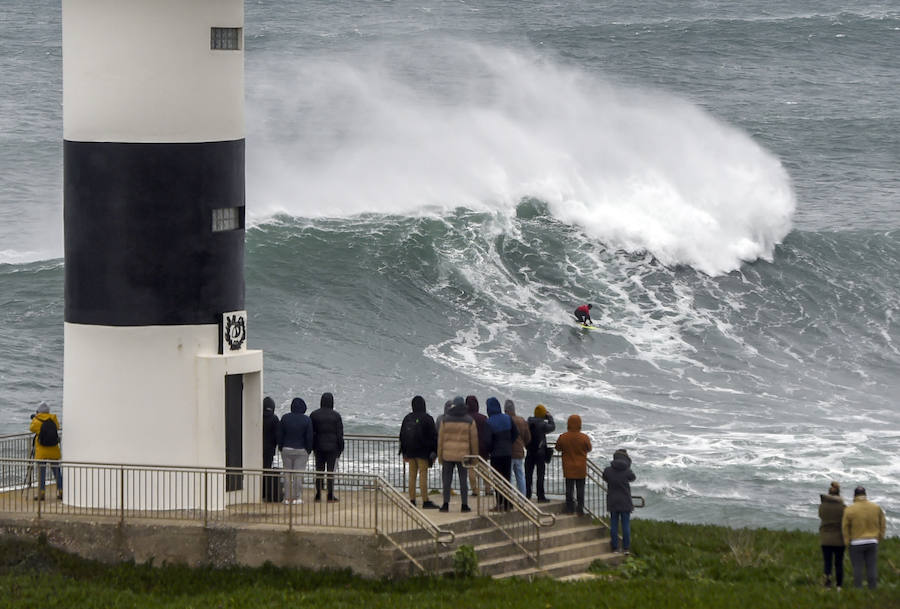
157	369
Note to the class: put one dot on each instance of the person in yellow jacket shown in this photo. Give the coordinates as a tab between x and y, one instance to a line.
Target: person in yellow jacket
46	453
863	527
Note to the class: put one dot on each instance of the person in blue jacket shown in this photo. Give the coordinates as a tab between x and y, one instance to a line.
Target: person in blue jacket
295	440
502	435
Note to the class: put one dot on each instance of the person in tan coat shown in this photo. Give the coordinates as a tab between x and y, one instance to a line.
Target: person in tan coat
457	438
863	527
574	447
49	452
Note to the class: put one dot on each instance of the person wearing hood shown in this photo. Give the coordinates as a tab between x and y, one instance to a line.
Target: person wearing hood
518	449
484	440
574	447
328	442
270	426
831	511
295	441
457	438
437	421
537	453
46	448
618	476
418	445
863	527
503	435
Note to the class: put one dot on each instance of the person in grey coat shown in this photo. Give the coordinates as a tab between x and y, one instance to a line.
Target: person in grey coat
618	476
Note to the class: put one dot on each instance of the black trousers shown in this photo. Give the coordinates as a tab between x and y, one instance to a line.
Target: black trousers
834	555
575	486
503	465
535	460
325	461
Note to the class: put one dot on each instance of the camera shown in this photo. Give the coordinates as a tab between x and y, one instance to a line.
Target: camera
33	415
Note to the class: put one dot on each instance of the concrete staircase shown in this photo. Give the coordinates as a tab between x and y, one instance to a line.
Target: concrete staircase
567	548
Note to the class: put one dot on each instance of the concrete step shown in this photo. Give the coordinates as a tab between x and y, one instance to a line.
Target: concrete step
564	569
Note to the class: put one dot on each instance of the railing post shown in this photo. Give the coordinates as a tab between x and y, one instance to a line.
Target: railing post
290	493
36	471
121	495
205	497
377	497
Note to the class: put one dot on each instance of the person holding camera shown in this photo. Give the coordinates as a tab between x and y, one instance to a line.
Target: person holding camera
45	427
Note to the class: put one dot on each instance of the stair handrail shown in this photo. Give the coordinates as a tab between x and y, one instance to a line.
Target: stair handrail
534	516
443	536
439	536
528	509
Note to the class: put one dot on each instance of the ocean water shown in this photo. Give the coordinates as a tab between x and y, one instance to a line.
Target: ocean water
433	187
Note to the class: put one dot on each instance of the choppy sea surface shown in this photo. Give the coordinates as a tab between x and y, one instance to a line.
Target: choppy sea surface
433	187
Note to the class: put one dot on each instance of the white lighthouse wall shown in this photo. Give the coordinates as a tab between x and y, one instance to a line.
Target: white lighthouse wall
142	71
154	395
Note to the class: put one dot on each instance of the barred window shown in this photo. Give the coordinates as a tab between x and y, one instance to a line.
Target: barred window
226	218
225	38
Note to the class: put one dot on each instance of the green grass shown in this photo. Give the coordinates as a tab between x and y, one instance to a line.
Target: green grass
672	565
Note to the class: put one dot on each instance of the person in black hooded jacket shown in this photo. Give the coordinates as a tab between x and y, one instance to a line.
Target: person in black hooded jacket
270	432
295	440
618	476
484	440
418	445
328	442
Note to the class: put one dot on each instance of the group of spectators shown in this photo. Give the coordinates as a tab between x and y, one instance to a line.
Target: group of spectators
516	448
296	435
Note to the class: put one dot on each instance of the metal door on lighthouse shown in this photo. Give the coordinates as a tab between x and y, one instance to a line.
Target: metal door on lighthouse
234	415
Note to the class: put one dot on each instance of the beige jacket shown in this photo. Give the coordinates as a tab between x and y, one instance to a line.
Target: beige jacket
862	520
456	439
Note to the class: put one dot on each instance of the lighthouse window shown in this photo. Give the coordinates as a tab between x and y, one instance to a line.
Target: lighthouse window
225	38
226	218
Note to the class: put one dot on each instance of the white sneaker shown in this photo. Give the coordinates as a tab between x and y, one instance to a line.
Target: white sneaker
286	501
297	501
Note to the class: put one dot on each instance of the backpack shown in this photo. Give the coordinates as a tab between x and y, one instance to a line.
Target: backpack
409	434
48	436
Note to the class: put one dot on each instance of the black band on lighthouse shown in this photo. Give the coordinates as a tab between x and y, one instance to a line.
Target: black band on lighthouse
139	241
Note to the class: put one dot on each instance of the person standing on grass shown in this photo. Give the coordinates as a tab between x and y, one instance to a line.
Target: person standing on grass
574	447
538	454
618	477
295	440
328	442
503	435
418	445
518	448
831	513
863	527
457	438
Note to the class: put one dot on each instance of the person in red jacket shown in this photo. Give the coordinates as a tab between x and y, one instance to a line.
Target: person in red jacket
583	314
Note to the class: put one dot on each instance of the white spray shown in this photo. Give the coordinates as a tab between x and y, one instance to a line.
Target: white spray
482	128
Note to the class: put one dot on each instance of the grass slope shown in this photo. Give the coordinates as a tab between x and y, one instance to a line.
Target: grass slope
673	565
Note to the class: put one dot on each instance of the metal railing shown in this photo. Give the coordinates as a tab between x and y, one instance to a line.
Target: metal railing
145	492
522	520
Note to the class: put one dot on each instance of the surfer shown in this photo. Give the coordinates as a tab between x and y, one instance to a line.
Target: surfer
583	314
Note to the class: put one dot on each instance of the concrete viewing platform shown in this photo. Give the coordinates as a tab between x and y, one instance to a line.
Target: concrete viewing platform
355	532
